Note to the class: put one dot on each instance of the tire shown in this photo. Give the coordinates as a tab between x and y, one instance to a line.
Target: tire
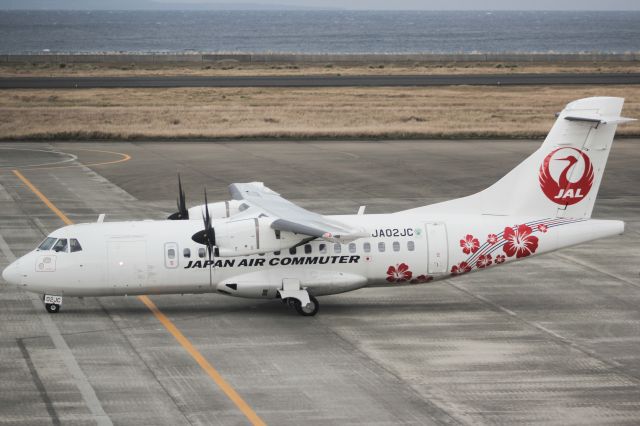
307	312
52	308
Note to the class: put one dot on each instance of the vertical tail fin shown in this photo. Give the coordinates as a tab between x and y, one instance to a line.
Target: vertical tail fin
560	179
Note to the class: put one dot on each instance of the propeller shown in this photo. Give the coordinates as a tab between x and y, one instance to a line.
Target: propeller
207	236
182	213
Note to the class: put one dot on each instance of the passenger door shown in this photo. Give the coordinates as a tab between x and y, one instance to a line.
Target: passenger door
437	248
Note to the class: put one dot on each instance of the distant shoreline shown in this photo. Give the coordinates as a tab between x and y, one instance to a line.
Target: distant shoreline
319	58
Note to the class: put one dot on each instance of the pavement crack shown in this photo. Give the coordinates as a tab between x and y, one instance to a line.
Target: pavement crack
436	412
596	269
552	335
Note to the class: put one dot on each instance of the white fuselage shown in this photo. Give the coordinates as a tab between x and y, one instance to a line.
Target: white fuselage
159	257
267	247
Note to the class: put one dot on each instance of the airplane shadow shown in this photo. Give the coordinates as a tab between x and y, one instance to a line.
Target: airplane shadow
276	308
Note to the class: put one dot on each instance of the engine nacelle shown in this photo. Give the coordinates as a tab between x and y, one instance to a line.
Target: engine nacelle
251	236
219	210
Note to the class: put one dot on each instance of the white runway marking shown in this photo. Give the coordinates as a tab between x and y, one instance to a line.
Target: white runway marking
87	392
70	158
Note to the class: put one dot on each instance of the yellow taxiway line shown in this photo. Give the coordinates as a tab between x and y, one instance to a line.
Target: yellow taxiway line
169	325
44	199
202	361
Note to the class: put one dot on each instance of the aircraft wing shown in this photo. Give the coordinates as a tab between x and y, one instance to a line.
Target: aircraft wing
291	217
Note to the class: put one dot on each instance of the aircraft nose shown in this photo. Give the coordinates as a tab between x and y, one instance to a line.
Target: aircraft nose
11	273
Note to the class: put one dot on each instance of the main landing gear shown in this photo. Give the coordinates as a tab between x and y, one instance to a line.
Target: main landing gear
52	303
298	298
308	310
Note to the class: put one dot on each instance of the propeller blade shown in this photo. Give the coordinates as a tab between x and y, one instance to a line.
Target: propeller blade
208	235
207	218
182	213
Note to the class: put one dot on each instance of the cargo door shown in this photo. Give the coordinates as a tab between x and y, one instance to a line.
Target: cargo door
127	264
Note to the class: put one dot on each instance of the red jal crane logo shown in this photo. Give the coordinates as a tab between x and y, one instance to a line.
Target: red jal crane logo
575	179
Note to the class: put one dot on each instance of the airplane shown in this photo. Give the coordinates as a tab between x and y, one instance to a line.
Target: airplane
260	245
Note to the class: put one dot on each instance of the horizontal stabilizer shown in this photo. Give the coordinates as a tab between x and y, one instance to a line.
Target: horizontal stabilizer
597	118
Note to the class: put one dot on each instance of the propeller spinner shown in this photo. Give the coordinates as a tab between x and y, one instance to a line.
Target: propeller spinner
182	213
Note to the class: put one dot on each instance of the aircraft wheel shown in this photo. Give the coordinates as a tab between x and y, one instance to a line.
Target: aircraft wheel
52	308
307	311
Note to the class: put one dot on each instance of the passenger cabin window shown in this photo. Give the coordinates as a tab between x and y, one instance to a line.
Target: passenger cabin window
308	249
276	253
381	246
61	246
186	253
201	253
352	247
337	248
292	250
47	243
171	253
323	248
396	246
366	247
74	245
411	246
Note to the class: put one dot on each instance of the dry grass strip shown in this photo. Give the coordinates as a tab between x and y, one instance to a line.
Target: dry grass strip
441	112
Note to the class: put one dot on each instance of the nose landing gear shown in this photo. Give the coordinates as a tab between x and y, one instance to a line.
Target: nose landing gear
52	308
52	303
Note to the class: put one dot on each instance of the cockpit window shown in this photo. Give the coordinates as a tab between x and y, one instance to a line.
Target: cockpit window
47	243
61	245
74	245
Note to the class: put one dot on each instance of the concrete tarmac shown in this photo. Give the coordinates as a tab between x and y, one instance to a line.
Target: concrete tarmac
552	340
318	81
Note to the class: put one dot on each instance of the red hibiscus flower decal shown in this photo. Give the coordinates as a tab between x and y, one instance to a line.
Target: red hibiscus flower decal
520	242
500	259
469	244
460	268
484	260
492	239
399	273
542	227
420	279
